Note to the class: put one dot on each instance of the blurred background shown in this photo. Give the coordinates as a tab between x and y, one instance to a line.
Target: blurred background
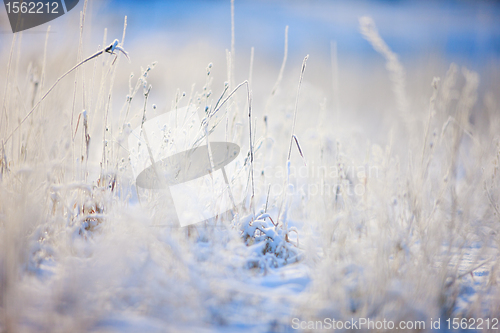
185	36
459	30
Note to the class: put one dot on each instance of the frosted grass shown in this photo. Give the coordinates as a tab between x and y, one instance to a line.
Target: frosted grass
83	250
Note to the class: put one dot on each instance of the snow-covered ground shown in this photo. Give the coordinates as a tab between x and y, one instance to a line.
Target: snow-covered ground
375	179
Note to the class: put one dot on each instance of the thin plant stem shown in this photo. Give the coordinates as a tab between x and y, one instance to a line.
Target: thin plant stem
296	105
95	55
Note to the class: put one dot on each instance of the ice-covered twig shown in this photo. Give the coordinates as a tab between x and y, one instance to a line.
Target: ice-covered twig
116	46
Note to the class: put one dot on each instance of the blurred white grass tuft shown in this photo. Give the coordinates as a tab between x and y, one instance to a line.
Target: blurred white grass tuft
369	31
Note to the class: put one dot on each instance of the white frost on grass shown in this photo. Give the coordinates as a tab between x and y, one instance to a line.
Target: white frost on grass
83	250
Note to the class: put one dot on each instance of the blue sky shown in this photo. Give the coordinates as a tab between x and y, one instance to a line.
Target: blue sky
459	30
